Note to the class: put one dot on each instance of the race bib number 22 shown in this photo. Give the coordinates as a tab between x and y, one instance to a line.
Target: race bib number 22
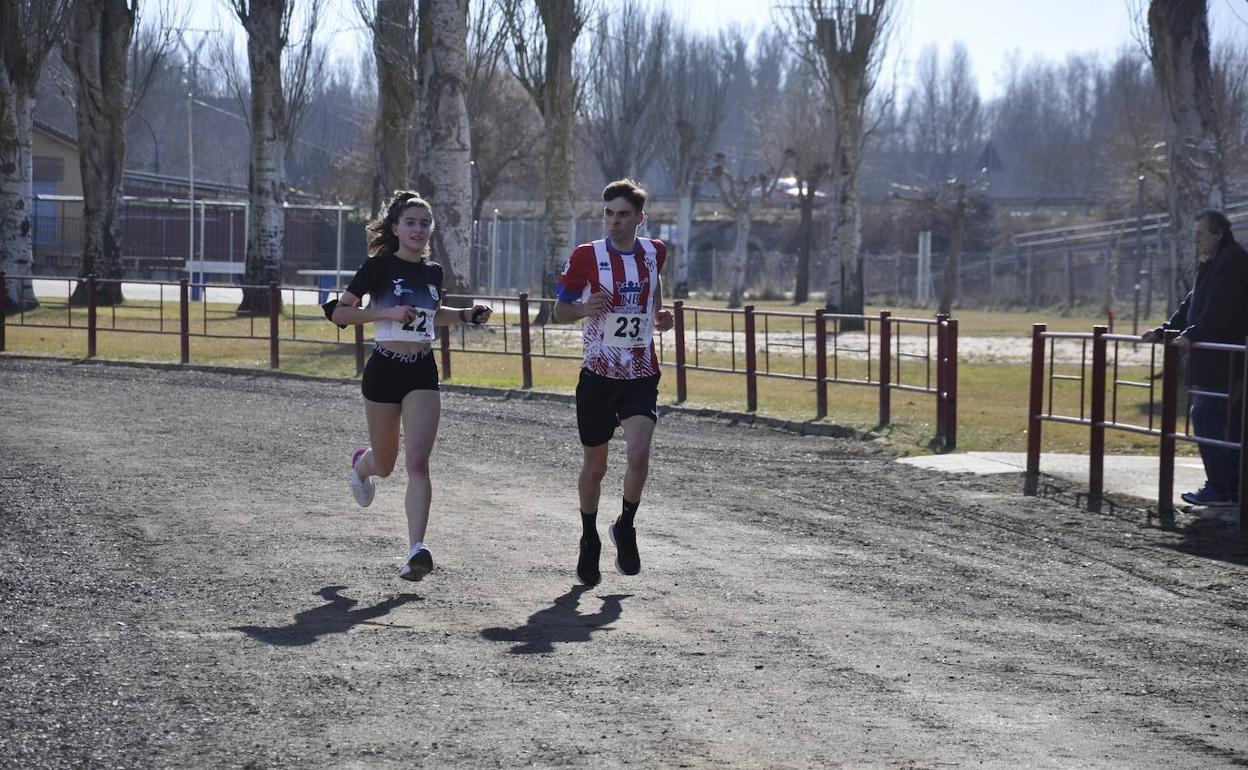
419	329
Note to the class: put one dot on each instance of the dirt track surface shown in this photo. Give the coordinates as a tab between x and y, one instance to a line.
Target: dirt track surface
185	582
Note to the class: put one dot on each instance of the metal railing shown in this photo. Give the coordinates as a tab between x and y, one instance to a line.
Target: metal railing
1101	385
880	352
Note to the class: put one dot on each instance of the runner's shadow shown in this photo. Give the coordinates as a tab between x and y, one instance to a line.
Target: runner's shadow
336	617
561	622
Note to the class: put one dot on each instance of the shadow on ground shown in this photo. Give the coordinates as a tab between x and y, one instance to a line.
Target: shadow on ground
337	616
559	623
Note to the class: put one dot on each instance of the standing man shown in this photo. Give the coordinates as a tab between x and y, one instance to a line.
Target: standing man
1215	310
614	285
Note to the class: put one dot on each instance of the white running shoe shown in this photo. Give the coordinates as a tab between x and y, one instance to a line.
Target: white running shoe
419	564
363	490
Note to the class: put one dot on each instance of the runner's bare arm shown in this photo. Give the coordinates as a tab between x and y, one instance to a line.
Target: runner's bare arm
348	311
663	319
475	314
598	303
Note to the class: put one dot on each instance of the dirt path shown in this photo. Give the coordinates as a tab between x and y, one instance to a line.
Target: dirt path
184	582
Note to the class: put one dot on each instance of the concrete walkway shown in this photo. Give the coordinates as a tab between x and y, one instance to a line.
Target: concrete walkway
1133	475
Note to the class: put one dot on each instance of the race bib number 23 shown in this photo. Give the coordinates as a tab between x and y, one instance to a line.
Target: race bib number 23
627	330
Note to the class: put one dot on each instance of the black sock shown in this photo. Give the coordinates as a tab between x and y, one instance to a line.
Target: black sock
626	515
589	525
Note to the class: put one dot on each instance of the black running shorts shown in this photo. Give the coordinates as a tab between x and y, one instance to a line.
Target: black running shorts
389	376
602	402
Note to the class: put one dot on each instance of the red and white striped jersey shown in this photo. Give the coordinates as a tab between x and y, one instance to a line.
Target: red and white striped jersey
619	344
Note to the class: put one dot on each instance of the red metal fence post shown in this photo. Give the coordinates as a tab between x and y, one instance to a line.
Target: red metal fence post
681	382
4	298
184	319
1035	404
951	385
886	367
821	365
941	330
91	315
1096	442
526	354
359	349
275	298
751	362
1243	450
444	344
1169	421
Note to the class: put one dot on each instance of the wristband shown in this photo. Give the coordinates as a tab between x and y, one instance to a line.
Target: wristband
462	320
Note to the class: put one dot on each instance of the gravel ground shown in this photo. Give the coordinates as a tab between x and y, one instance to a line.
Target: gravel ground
185	582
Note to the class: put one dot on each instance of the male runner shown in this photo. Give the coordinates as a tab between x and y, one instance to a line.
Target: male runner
614	285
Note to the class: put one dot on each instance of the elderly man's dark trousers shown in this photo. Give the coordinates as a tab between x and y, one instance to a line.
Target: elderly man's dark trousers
1213	418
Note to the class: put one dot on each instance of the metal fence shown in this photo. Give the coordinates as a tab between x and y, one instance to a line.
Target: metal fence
881	352
1099	391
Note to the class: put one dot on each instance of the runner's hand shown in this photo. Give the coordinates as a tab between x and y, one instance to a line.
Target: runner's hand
664	320
401	313
480	314
598	303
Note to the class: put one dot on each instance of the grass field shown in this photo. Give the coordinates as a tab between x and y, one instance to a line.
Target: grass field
992	396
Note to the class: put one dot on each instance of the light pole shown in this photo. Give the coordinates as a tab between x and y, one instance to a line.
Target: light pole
192	60
473	267
494	254
1140	273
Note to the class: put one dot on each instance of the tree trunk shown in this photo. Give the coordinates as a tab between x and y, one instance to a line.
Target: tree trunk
100	32
445	176
394	49
847	235
558	113
266	174
684	227
740	255
801	289
1179	34
17	107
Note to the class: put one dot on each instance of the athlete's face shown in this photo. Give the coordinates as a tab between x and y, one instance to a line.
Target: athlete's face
413	229
620	220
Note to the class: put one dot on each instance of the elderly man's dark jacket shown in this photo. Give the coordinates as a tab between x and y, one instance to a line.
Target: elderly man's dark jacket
1216	310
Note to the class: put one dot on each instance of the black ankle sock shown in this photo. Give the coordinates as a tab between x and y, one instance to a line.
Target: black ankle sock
589	525
626	515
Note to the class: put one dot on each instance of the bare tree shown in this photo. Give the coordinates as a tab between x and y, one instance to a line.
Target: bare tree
278	97
694	88
542	60
845	41
30	31
505	124
444	175
1179	45
805	125
1230	98
393	27
623	119
739	195
507	136
98	52
944	114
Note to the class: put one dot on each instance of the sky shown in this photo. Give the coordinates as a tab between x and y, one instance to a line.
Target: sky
993	30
